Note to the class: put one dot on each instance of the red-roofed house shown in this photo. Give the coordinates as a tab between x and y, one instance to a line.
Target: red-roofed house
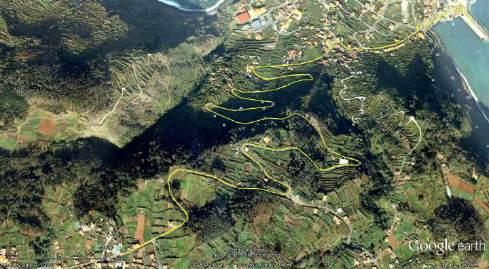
243	17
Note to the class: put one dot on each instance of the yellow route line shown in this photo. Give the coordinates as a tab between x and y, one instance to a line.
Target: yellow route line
239	94
288	191
170	178
392	45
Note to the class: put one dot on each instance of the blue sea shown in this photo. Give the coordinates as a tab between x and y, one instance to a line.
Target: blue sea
469	53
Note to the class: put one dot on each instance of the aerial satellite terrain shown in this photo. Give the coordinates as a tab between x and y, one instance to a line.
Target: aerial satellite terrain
244	134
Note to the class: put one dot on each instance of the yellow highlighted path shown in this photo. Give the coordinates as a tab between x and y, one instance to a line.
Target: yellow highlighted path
267	104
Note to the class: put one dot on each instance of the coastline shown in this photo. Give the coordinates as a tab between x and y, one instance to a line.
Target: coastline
467	88
451	79
210	10
471	3
438	42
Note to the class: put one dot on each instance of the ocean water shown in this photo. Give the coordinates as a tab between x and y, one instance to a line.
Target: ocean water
191	5
469	53
481	11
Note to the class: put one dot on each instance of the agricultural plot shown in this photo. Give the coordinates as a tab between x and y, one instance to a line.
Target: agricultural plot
196	191
41	127
319	159
149	211
5	37
145	86
302	234
12	235
68	240
75	238
282	230
482	194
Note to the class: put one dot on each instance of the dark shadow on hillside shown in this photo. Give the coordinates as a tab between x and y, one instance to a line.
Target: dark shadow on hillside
178	138
447	97
183	133
53	70
24	173
322	104
478	141
414	88
153	25
104	171
458	221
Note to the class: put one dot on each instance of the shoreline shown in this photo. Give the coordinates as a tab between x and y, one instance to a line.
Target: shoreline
469	9
438	42
467	88
210	10
451	79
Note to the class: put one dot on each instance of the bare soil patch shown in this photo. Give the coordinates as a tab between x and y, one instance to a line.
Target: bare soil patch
139	235
47	127
456	182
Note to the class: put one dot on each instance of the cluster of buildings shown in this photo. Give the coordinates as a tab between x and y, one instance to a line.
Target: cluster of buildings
364	261
255	16
455	8
8	255
286	14
252	16
430	7
146	260
141	259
